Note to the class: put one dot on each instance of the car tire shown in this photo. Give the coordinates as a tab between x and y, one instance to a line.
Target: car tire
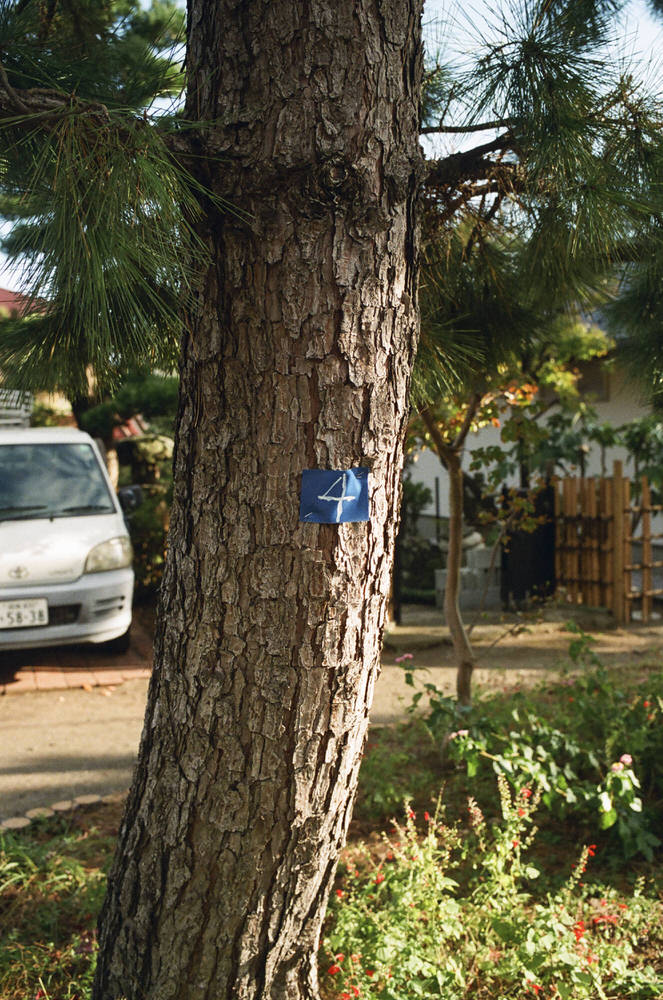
120	644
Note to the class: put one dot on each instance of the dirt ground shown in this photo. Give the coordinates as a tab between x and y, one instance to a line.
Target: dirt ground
513	651
59	744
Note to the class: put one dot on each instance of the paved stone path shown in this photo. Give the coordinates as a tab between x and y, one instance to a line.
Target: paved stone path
72	738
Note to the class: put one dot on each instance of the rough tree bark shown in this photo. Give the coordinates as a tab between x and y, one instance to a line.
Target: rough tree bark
297	355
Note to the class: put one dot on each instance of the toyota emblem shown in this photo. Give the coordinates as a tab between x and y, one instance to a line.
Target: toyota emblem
18	573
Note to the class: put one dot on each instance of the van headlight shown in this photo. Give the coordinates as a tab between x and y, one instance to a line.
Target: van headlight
116	553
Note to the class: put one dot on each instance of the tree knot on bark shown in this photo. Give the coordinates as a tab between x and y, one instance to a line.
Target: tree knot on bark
334	183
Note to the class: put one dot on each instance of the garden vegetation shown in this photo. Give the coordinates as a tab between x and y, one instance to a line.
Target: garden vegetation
526	862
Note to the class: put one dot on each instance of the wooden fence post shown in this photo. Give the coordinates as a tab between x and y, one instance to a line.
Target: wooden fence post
606	543
594	535
559	533
573	539
628	547
645	501
618	591
583	554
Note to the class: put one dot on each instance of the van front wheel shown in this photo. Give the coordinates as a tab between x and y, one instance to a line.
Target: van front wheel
120	644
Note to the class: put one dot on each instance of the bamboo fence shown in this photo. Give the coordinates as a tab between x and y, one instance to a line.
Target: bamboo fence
598	528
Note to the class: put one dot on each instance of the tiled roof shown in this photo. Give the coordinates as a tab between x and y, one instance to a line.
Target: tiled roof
14	302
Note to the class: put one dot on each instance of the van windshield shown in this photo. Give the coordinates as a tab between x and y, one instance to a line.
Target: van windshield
51	480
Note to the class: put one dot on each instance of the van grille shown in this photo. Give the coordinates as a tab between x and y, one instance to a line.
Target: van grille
63	614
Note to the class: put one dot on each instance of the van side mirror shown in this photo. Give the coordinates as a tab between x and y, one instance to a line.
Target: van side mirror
130	497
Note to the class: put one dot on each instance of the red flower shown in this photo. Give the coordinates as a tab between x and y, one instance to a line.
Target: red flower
579	930
536	988
646	704
591	850
427	817
526	793
515	843
333	969
345	996
622	906
412	815
522	812
607	918
339	893
355	990
339	957
379	878
370	972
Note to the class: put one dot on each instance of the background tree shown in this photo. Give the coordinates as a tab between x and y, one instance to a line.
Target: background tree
525	225
524	373
299	332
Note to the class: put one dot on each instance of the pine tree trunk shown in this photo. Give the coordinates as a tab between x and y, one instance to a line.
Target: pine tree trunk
297	356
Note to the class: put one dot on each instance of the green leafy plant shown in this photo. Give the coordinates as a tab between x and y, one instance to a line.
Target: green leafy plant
455	913
148	528
597	762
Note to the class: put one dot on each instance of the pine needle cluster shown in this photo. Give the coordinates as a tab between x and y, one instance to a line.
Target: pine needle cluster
104	211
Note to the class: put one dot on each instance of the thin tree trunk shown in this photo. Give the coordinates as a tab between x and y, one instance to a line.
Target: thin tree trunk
450	454
462	646
298	356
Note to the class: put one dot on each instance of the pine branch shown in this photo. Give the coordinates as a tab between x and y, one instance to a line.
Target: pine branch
13	98
471	164
44	108
466	129
469	192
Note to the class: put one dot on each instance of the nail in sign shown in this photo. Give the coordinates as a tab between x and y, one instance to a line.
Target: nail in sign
334	496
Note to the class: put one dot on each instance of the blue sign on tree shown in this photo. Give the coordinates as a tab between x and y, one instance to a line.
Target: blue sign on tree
332	496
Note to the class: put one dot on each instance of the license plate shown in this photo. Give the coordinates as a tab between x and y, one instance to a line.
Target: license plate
24	614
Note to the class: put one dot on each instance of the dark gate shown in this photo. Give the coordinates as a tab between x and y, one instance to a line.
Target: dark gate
528	557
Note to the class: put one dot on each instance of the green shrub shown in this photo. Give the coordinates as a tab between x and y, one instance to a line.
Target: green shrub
153	396
148	527
441	913
592	746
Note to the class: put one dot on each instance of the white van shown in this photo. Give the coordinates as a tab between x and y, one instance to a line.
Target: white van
65	554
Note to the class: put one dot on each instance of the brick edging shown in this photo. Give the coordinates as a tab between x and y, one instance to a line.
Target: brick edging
56	808
31	679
